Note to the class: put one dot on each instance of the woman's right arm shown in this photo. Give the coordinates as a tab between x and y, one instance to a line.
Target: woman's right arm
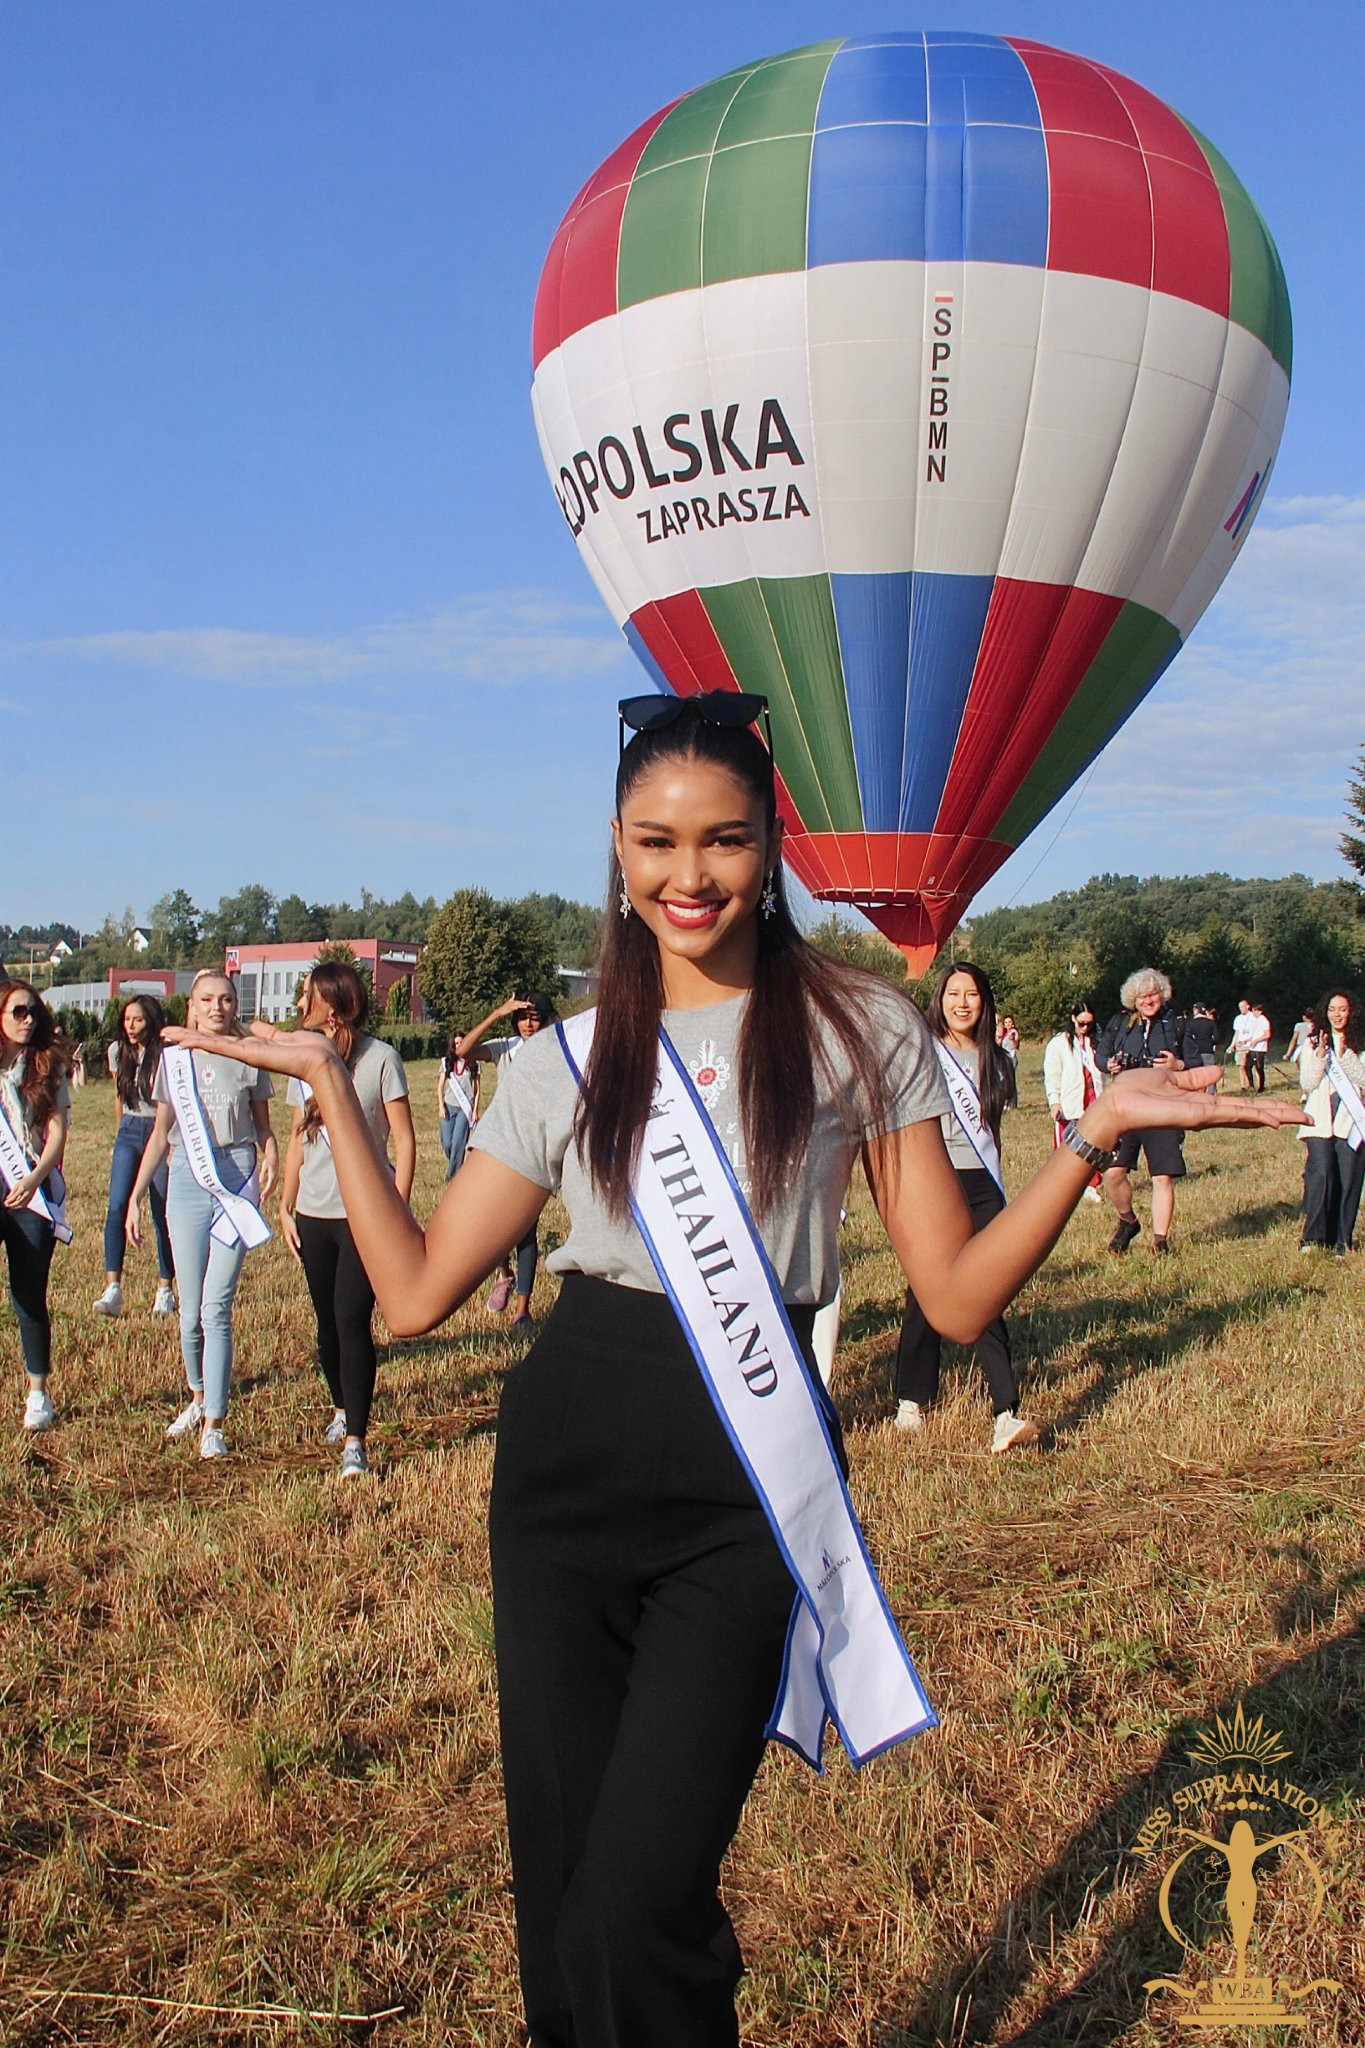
419	1277
467	1048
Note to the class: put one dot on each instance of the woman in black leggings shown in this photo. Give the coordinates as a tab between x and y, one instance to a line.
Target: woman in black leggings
313	1216
35	1101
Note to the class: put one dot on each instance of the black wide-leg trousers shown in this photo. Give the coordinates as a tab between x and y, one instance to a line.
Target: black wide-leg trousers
641	1609
919	1354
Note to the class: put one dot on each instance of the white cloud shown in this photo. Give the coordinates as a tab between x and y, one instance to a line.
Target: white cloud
502	637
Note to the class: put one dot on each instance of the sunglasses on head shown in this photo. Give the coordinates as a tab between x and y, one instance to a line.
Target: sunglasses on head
732	708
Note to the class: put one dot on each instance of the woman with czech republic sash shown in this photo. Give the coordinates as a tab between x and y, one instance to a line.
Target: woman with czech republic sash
961	1015
212	1114
676	1566
34	1104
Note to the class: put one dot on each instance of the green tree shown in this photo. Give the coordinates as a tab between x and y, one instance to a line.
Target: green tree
842	939
1353	843
246	919
1300	955
1212	965
295	919
1124	936
479	951
396	1006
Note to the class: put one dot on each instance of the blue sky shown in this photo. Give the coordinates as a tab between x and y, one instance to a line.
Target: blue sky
284	594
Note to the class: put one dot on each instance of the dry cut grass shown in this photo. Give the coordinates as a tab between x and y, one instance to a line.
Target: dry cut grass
248	1743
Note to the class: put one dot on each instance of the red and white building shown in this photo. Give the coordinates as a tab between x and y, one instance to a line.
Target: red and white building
267	977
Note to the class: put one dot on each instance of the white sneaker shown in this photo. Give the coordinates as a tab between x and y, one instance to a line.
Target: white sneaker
335	1432
1092	1195
110	1302
188	1419
212	1443
1013	1431
354	1463
39	1412
910	1418
164	1305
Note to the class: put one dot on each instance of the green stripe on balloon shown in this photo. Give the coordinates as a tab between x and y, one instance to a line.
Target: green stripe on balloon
779	637
1136	649
1259	298
755	221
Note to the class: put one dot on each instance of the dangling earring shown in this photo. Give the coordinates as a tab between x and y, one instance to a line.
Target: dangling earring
767	902
625	900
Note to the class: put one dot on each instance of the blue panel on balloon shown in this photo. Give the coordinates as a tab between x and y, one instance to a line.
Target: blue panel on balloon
872	615
875	82
643	655
867	195
984	81
947	617
1005	190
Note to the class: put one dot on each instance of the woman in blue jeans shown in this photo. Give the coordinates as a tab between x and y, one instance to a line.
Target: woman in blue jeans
133	1060
235	1103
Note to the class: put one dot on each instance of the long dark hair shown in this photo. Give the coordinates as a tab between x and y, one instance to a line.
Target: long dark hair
1354	1034
134	1071
1081	1003
47	1058
346	996
995	1079
795	990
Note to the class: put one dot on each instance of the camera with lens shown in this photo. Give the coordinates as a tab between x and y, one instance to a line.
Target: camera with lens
1128	1062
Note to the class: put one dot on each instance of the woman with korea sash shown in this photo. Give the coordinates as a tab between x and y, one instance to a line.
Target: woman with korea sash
35	1102
213	1113
677	1570
961	1016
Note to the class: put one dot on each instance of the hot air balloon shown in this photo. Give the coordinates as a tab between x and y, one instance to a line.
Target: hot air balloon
927	383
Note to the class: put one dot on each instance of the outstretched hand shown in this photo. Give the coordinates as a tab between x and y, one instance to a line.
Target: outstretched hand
1166	1098
300	1054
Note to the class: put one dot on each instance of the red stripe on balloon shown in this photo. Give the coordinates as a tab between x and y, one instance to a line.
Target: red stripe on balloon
1099	202
1039	640
1191	232
572	294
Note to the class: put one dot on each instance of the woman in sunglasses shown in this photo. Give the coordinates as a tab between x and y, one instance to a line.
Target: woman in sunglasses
643	1571
35	1102
1071	1074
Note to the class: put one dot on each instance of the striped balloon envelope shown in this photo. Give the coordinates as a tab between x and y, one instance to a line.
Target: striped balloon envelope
927	383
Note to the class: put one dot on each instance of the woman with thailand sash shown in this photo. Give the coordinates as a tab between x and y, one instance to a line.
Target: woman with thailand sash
212	1113
677	1571
1332	1076
961	1016
35	1102
312	1214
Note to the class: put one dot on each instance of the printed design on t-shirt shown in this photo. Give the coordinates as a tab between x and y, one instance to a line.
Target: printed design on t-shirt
710	1072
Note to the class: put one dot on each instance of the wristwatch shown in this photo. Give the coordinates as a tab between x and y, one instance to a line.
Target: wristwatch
1094	1155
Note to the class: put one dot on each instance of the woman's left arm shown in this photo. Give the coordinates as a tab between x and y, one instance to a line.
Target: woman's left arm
399	1113
270	1151
963	1281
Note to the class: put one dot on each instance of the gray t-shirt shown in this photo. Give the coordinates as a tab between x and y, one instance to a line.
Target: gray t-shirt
529	1128
144	1106
226	1089
16	1109
379	1078
961	1150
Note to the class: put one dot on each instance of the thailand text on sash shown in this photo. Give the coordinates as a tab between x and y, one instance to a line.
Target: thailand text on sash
845	1660
236	1218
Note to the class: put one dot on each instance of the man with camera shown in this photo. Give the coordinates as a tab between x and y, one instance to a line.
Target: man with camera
1145	1033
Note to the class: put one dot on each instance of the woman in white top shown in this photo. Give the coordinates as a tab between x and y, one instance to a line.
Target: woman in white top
1071	1074
235	1100
35	1103
1333	1141
641	1597
312	1214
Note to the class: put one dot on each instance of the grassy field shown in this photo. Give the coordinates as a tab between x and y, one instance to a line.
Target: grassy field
248	1752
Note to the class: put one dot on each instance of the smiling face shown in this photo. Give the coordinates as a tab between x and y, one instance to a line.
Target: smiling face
1148	1004
212	1004
18	1020
962	1004
695	850
1339	1014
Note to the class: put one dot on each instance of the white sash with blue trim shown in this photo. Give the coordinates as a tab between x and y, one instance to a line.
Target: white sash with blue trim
966	1101
48	1201
1342	1086
236	1219
845	1660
